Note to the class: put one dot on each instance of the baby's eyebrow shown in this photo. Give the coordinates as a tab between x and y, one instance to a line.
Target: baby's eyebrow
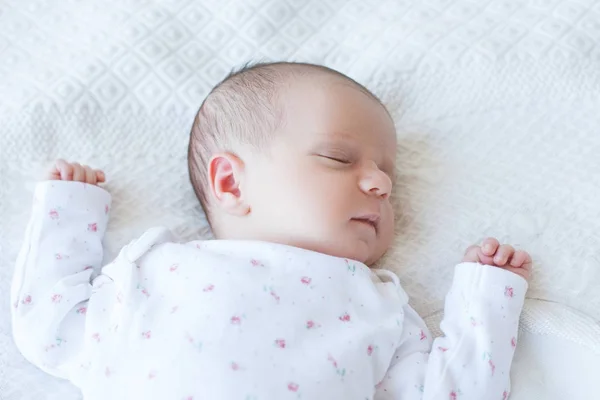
335	140
336	135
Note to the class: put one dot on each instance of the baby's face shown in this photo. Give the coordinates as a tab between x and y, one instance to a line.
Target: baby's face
326	183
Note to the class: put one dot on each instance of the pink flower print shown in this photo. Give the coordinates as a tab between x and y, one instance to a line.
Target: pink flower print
492	366
173	267
58	256
235	366
151	375
93	227
271	291
513	342
26	300
256	263
191	340
293	387
310	324
106	209
305	280
442	349
82	310
422	335
143	290
96	337
508	291
147	334
107	372
56	298
370	350
453	395
236	320
332	360
488	356
280	343
58	342
505	395
474	322
53	214
340	371
209	288
344	317
87	267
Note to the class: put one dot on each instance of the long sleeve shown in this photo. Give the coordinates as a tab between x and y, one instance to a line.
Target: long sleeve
51	284
472	360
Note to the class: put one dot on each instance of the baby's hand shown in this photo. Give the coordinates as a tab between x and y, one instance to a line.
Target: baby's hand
64	171
502	256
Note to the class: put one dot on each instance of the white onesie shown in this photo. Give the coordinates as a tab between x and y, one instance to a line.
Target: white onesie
244	320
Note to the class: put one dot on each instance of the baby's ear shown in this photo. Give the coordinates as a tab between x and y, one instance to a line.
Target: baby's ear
225	173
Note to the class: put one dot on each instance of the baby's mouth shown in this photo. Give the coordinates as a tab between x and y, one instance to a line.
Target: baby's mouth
371	220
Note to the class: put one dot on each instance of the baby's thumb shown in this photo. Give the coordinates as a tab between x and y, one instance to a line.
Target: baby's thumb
100	177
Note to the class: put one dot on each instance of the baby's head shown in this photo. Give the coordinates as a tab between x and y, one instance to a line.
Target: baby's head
297	154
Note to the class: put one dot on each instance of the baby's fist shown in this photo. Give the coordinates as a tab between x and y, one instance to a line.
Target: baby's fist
502	256
64	171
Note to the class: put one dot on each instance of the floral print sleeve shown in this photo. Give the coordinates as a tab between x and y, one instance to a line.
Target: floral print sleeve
472	359
51	285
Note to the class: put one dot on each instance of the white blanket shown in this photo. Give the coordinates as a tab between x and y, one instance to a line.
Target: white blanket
497	105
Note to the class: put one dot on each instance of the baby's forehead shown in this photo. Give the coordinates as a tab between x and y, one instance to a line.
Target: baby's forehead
338	111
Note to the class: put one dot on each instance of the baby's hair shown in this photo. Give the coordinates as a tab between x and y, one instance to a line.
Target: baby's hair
244	108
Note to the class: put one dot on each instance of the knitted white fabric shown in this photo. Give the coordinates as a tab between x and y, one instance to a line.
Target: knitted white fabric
496	102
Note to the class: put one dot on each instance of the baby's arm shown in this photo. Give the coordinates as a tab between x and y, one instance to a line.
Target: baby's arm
472	360
51	285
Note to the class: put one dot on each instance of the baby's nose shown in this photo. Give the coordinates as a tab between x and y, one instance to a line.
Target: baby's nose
377	183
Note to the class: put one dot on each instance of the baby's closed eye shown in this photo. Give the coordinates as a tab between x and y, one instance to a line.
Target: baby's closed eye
337	158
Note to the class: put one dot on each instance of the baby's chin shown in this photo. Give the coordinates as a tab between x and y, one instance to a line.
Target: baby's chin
362	252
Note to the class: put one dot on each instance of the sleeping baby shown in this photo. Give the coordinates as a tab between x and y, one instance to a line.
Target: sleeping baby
293	165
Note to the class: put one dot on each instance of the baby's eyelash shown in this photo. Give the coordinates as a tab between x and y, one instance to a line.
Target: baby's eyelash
337	159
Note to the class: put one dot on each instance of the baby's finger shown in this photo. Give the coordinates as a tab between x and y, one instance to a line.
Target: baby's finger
53	174
528	263
90	175
503	254
489	246
472	254
100	177
518	259
78	173
66	170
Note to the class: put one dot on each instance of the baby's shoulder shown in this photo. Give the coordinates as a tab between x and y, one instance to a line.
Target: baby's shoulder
156	241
